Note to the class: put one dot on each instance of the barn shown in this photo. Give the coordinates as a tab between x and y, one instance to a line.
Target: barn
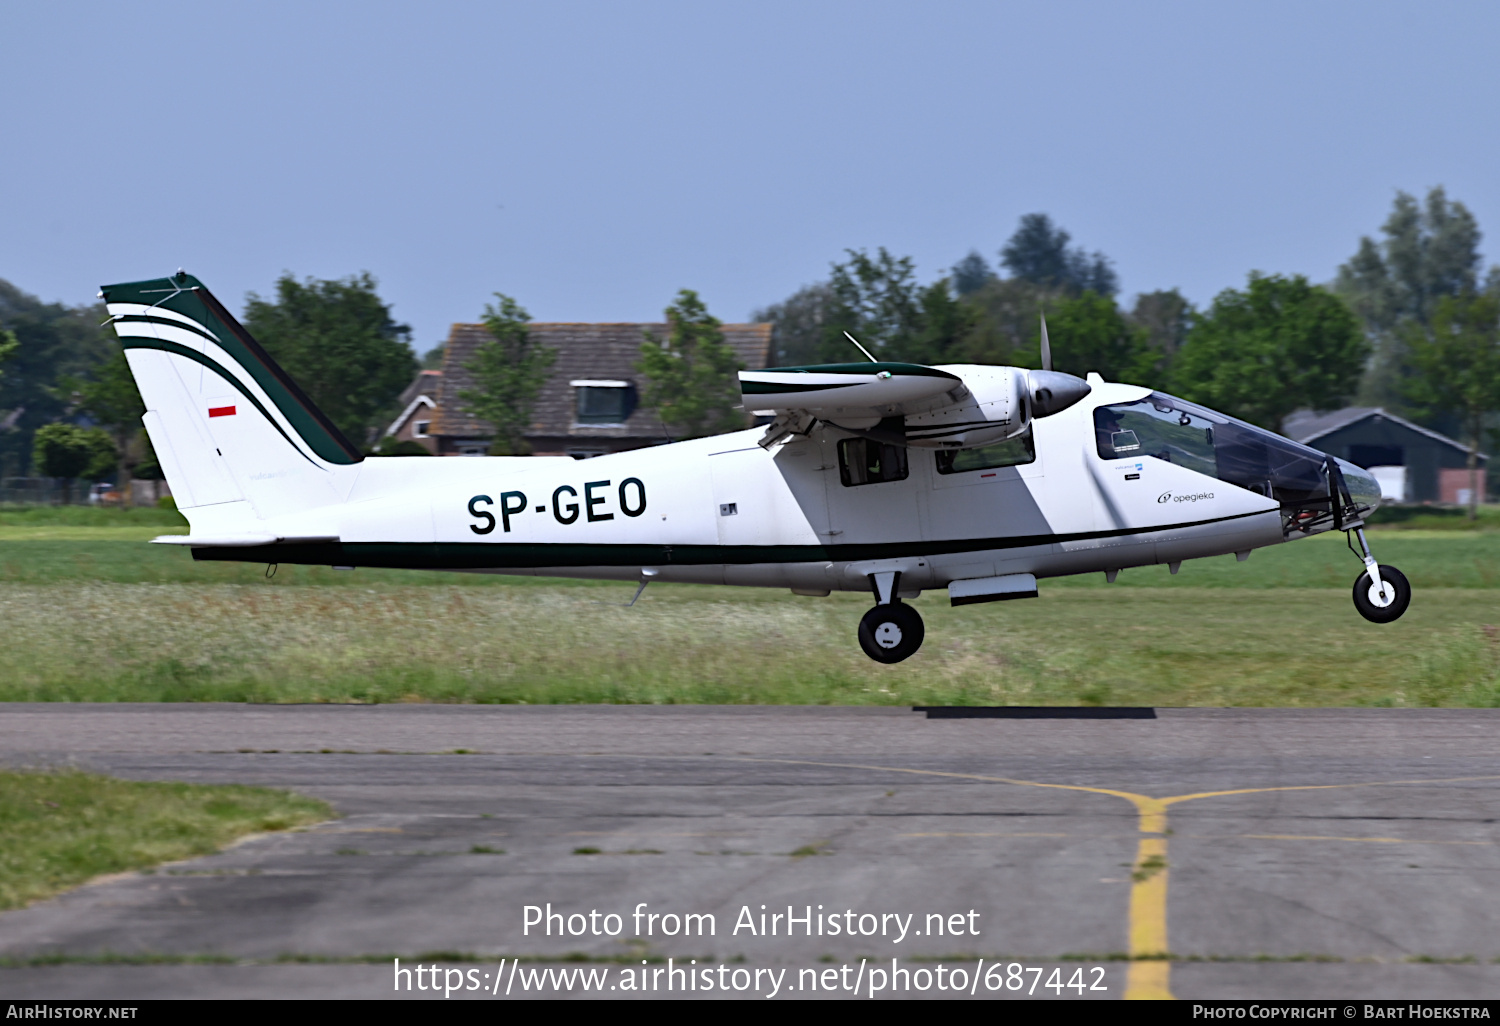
1412	463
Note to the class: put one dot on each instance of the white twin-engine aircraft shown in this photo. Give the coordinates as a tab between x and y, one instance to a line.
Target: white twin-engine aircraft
887	477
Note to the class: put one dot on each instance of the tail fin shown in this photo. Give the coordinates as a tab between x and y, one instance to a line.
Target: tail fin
231	430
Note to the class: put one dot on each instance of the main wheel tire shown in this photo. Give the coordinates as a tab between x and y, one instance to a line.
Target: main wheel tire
1389	602
889	634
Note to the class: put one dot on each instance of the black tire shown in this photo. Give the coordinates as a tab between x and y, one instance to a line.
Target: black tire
889	634
1395	581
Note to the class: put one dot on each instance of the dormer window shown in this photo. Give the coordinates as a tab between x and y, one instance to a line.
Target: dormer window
419	428
603	402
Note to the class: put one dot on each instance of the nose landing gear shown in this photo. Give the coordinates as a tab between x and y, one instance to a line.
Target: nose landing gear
891	631
1382	593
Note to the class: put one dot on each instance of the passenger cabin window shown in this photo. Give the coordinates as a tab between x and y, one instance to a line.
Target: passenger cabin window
1009	453
604	402
865	461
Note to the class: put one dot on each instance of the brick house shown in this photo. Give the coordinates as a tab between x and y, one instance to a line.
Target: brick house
590	404
417	404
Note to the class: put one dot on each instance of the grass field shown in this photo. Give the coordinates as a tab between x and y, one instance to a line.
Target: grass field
94	614
58	829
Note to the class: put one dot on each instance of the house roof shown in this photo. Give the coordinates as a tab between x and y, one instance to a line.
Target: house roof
584	352
1307	426
426	382
411	408
422	390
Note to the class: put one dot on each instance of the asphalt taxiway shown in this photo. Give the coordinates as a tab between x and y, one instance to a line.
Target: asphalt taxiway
1273	853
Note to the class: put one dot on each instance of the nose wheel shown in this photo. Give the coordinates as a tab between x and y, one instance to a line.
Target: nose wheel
1382	593
1385	601
891	631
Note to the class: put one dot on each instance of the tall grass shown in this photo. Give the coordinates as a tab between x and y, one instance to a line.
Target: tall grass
539	644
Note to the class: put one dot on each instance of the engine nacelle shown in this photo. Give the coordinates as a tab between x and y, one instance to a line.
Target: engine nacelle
1001	404
958	406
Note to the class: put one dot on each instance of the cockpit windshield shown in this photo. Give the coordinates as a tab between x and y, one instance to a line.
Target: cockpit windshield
1210	443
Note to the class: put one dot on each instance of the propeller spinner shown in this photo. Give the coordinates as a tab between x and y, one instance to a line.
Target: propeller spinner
1053	391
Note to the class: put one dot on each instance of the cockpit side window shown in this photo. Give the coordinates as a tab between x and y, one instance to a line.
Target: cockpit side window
1159	427
1210	443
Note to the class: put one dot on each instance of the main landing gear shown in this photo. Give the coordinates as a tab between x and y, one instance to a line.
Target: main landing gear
892	630
1382	593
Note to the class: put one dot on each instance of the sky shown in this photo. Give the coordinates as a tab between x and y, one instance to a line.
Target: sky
593	158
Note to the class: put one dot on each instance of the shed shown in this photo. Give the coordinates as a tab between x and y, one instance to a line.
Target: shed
1432	466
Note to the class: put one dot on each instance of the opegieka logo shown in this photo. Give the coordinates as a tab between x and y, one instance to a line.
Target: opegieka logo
1195	497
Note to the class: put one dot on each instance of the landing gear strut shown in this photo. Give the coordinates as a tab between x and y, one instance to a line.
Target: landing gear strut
891	631
1382	593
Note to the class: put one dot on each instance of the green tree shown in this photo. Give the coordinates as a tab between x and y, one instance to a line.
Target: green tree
1280	345
691	375
1429	250
56	341
879	301
944	321
8	345
1004	322
508	372
971	274
1089	333
339	342
1166	317
798	324
68	451
1038	252
1457	360
110	397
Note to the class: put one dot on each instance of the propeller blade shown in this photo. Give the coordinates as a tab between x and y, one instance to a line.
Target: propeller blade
1046	346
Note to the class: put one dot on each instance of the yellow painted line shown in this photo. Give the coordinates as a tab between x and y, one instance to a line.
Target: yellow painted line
1149	976
1149	981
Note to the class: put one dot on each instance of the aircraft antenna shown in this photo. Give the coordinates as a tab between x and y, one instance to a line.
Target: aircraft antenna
862	349
1046	346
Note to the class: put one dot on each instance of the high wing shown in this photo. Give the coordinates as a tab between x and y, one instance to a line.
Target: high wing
954	406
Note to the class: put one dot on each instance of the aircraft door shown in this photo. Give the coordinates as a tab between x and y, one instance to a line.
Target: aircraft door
872	487
765	500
